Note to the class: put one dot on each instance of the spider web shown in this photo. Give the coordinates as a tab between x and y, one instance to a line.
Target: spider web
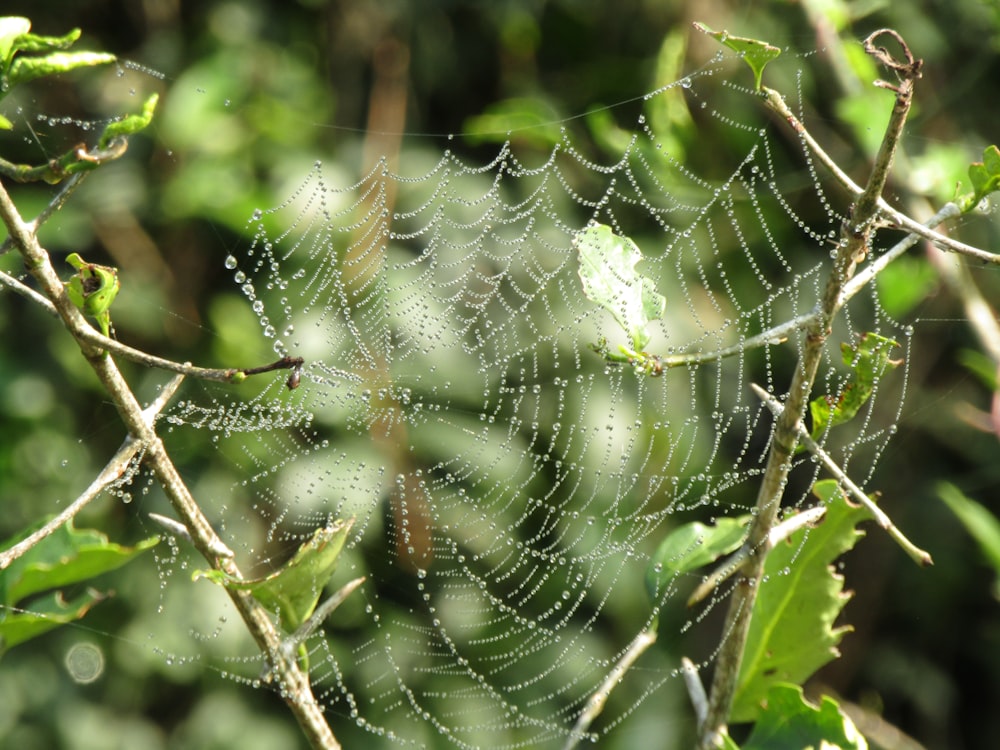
508	484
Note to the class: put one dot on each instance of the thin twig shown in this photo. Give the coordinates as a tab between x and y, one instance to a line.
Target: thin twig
28	293
595	704
110	474
919	556
780	333
776	102
696	691
217	374
319	615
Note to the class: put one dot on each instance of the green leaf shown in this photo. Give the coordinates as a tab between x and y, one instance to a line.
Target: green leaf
130	124
981	524
985	178
36	43
868	360
65	557
607	270
24	69
755	53
791	630
692	546
46	613
292	592
790	722
92	289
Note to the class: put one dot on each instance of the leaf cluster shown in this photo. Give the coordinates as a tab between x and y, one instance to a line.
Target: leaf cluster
25	57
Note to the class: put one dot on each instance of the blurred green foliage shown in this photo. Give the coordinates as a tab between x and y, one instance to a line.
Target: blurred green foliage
254	92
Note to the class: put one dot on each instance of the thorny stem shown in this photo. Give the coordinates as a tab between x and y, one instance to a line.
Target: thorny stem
853	248
294	685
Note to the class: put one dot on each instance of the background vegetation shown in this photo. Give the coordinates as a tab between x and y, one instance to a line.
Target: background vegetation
255	91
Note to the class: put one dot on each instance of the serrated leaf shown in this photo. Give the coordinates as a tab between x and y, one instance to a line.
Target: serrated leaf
65	557
790	722
791	630
868	360
755	53
607	270
692	546
293	590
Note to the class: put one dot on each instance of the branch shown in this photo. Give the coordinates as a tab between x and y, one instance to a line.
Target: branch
852	249
695	689
595	704
889	214
92	336
294	686
918	555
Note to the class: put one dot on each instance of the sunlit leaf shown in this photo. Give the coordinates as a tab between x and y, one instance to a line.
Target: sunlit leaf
791	631
24	69
755	53
868	360
12	28
790	722
65	557
607	270
293	590
129	124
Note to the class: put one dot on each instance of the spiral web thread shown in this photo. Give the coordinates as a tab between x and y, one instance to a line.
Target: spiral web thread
508	484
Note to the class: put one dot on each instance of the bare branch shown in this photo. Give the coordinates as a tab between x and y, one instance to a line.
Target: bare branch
595	705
